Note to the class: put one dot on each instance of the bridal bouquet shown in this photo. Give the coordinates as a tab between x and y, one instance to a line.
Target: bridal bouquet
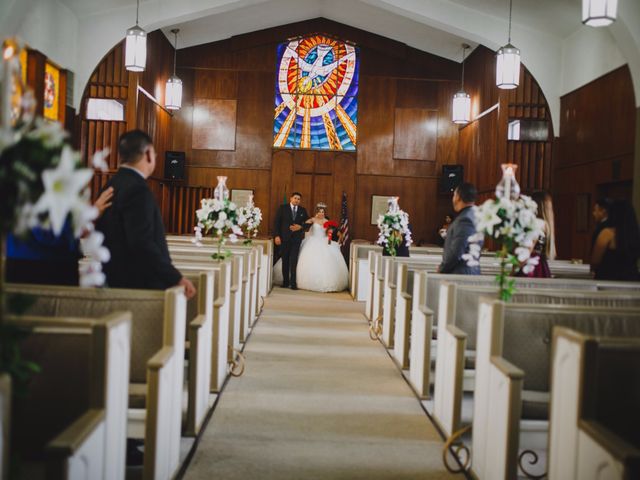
253	218
219	217
512	220
330	226
393	227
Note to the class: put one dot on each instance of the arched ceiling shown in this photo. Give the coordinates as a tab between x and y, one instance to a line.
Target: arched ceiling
540	27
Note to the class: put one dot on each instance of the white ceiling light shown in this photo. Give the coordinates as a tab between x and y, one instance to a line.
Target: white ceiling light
599	13
508	62
462	100
173	90
135	57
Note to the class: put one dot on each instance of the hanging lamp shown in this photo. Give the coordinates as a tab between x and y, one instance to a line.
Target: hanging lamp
599	13
508	62
173	89
462	100
135	57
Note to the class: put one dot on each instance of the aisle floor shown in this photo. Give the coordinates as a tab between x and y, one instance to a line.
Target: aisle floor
318	400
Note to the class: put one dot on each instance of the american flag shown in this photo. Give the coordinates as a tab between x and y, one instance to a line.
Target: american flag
343	230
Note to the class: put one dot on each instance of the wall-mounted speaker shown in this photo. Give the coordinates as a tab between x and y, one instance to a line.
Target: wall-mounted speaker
452	176
174	165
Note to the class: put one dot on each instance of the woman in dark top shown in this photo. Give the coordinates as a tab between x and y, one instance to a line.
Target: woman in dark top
615	254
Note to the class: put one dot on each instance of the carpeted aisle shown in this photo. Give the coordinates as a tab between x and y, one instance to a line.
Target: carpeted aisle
318	400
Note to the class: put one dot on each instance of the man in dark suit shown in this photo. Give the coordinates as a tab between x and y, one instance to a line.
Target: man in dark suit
456	242
289	230
132	226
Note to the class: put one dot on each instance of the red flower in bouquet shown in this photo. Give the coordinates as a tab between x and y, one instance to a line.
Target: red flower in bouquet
330	226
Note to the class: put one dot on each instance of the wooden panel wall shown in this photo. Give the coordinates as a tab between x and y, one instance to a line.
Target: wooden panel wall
594	157
393	78
111	80
483	145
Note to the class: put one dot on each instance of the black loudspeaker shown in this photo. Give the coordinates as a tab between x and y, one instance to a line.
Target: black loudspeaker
451	178
174	165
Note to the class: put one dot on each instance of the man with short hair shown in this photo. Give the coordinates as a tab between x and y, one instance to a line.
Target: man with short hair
289	227
456	242
132	226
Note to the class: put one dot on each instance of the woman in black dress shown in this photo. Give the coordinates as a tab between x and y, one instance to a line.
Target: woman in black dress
615	254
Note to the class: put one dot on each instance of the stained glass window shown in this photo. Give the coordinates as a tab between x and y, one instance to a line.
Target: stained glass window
316	104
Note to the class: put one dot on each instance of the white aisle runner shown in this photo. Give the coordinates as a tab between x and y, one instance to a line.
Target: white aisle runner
318	400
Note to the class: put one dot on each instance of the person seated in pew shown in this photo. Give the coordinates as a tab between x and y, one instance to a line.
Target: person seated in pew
41	257
456	243
617	249
545	248
132	226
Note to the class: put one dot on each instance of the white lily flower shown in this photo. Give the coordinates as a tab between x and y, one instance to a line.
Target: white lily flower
522	253
62	186
51	134
99	159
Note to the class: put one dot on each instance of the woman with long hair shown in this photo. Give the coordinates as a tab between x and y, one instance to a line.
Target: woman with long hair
615	254
545	247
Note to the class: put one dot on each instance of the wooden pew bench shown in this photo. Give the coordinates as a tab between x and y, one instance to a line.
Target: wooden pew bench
157	359
594	407
457	333
514	354
72	423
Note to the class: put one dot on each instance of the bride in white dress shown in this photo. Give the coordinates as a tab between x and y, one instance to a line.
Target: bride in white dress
321	266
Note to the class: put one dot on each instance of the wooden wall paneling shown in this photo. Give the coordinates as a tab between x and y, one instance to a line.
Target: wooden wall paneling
376	102
344	180
214	124
448	132
415	134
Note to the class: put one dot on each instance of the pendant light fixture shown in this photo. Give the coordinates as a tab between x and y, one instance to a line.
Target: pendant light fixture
135	57
508	62
599	13
173	90
462	100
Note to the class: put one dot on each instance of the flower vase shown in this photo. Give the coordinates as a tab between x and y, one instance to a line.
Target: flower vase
507	189
221	192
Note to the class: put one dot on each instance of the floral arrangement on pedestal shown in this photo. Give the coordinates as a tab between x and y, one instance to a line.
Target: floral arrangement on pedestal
253	218
393	227
331	227
42	185
219	217
511	219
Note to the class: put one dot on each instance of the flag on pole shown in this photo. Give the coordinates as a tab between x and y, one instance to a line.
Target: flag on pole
343	230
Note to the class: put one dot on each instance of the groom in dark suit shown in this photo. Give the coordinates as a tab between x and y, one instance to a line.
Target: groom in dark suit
289	230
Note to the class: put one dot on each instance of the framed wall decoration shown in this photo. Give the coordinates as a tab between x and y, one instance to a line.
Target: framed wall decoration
379	206
240	197
316	104
51	99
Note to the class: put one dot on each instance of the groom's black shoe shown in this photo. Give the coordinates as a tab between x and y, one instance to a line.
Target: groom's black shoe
285	285
294	287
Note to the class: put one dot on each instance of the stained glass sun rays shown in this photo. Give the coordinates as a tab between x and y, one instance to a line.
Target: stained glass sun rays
316	95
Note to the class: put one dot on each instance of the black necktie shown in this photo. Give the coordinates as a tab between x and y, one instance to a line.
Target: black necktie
295	210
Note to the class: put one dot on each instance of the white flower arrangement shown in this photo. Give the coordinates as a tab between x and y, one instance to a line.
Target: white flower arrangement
392	226
513	223
218	218
253	219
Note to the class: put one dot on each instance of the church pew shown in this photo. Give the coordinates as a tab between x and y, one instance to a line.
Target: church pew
357	253
426	310
514	354
5	412
264	252
199	346
75	412
587	434
457	334
221	318
157	359
253	276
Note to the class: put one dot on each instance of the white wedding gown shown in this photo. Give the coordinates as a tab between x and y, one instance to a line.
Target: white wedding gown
321	266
